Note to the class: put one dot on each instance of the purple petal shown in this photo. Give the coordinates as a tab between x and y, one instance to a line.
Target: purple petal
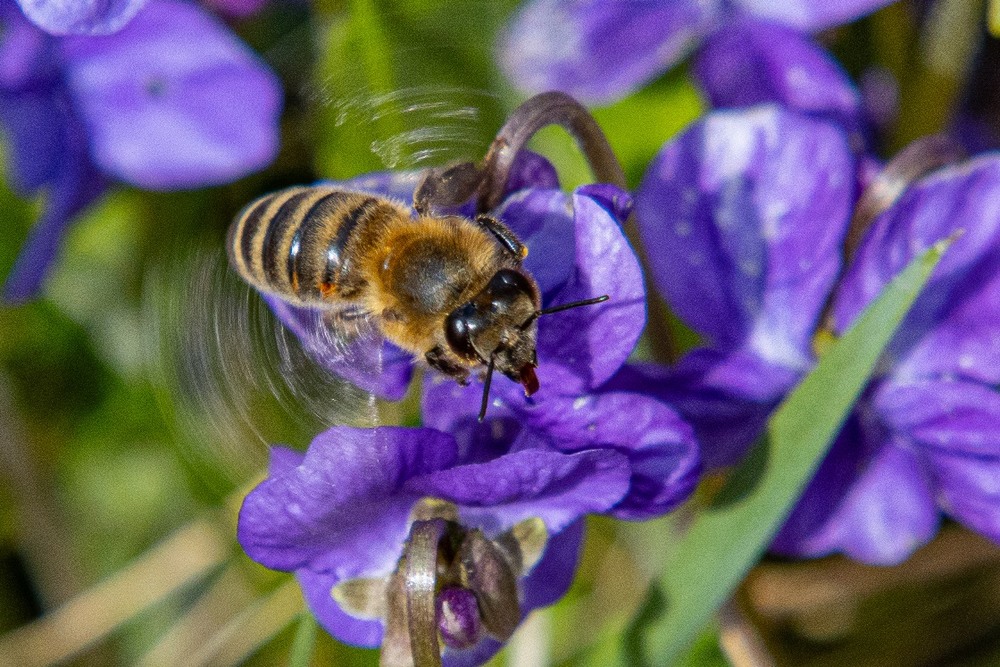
41	133
591	343
531	170
62	164
552	575
659	445
951	328
887	512
174	100
811	16
87	17
742	217
953	416
727	398
559	488
452	408
25	52
283	460
614	200
969	489
542	219
367	361
317	587
397	185
345	509
599	52
751	62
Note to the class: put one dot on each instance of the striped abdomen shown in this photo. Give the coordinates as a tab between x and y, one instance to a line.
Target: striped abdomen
298	243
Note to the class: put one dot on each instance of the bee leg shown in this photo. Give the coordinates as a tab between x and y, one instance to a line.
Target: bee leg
452	186
503	234
438	360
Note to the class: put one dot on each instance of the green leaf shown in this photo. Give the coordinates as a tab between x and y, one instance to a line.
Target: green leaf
305	641
721	544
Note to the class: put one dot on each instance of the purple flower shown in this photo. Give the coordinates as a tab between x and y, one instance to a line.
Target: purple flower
339	516
173	100
750	51
576	250
744	215
89	17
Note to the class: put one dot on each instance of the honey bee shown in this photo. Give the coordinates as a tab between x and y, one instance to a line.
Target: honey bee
449	289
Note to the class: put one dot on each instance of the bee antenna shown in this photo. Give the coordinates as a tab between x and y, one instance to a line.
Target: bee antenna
486	388
566	306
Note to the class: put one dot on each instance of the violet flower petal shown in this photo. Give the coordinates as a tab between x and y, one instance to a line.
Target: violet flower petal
37	125
887	512
25	52
969	489
591	343
316	588
174	100
742	217
556	487
811	16
345	508
752	62
598	52
950	329
65	168
87	17
948	415
727	398
447	406
660	446
543	220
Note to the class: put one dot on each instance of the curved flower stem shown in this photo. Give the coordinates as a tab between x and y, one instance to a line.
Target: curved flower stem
920	158
420	583
552	108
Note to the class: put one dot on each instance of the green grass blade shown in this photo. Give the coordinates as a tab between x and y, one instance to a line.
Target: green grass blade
725	540
305	641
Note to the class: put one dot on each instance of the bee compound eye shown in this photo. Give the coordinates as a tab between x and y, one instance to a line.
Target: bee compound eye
507	285
458	330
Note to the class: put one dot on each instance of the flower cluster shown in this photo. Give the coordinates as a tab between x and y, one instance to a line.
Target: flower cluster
160	95
600	51
744	215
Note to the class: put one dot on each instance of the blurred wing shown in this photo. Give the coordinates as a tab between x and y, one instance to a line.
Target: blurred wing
234	379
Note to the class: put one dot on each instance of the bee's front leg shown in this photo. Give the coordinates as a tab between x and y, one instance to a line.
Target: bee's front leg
438	360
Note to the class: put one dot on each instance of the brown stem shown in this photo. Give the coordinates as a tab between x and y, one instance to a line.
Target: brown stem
920	158
553	108
421	582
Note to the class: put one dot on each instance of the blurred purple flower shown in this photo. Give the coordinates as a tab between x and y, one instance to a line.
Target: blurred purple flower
750	51
339	516
86	17
576	250
744	216
173	100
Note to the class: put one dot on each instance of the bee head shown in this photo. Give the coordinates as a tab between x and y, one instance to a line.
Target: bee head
497	327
